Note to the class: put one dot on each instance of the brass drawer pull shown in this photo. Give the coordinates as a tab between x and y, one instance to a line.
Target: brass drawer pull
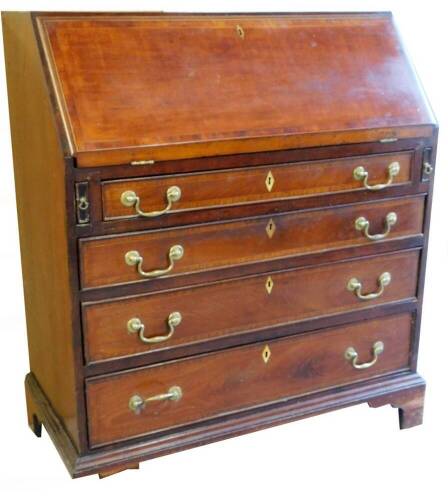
137	403
133	258
361	174
362	224
135	325
130	199
352	355
354	285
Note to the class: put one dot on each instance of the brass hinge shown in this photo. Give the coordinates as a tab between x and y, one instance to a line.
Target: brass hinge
427	167
82	202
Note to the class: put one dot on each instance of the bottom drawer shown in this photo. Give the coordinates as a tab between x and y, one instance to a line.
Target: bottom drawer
210	385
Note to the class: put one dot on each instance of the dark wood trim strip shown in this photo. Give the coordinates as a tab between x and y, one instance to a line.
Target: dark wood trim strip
424	253
77	337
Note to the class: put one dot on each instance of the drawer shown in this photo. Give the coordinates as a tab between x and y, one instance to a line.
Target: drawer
126	258
228	381
241	305
179	193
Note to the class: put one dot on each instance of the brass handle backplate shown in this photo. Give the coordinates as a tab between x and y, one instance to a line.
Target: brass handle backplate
135	325
130	199
137	404
354	285
362	224
361	174
133	258
352	356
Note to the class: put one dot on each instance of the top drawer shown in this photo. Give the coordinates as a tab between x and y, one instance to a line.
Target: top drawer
157	196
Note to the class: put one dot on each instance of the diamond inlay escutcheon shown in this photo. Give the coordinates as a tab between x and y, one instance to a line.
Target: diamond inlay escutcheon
269	285
266	354
269	181
270	228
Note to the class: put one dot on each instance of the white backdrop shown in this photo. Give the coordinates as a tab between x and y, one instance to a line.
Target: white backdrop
352	453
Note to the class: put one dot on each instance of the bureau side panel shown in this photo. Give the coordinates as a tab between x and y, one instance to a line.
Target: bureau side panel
41	205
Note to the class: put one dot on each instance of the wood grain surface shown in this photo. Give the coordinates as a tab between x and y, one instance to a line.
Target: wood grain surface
239	378
249	185
214	246
244	305
213	103
160	87
40	177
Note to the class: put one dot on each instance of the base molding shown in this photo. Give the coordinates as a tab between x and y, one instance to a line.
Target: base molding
403	391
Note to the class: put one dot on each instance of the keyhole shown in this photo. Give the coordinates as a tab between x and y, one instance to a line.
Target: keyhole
240	31
266	354
269	181
270	228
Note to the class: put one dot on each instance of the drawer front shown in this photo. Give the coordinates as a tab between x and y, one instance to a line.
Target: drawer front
242	305
235	379
104	261
150	196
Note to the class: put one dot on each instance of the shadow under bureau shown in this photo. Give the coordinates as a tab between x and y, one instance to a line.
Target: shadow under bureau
223	223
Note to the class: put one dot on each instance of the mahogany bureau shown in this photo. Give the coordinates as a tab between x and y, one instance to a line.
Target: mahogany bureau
223	222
